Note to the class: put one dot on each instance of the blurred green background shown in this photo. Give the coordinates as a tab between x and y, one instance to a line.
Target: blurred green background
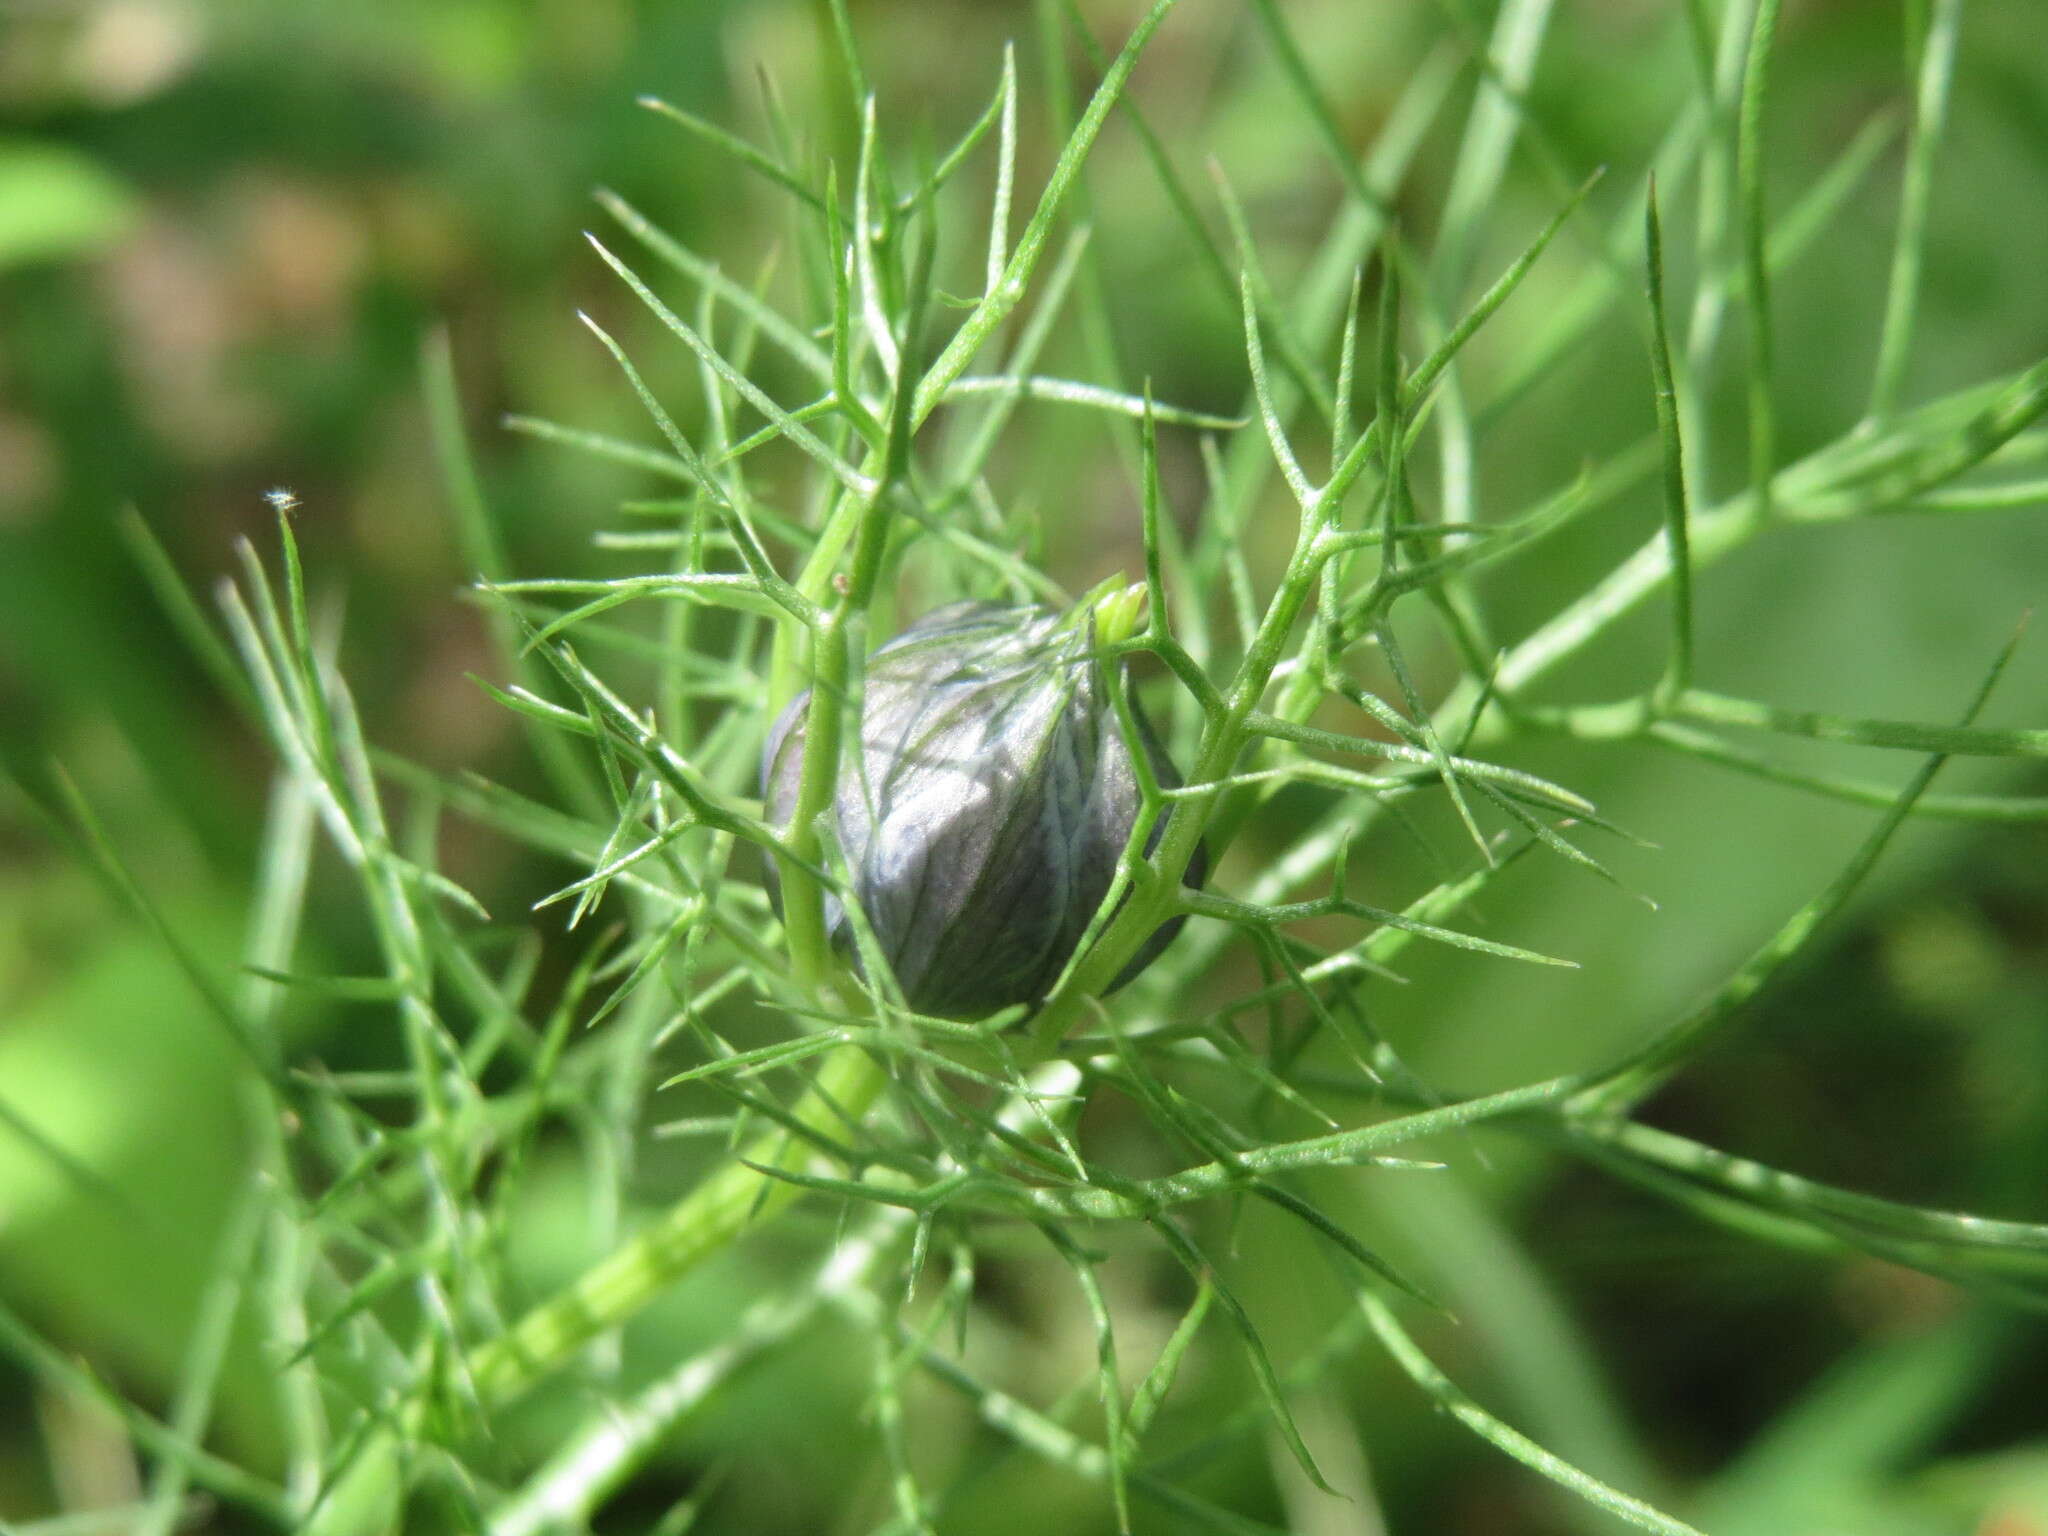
227	230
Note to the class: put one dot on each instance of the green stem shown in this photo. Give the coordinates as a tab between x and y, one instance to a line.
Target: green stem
703	1221
1222	741
803	896
365	1500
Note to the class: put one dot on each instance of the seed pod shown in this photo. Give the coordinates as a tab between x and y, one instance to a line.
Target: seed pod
983	817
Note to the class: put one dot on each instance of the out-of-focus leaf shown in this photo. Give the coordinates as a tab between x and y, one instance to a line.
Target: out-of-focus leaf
56	203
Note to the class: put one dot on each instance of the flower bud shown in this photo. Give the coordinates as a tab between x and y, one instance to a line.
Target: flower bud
992	795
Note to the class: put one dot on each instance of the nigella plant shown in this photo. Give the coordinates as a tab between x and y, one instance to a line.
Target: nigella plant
993	793
977	817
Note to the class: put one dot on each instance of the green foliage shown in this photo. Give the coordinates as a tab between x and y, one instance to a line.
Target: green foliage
55	203
829	433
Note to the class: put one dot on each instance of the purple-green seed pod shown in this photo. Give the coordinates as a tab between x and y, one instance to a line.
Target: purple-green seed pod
991	798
